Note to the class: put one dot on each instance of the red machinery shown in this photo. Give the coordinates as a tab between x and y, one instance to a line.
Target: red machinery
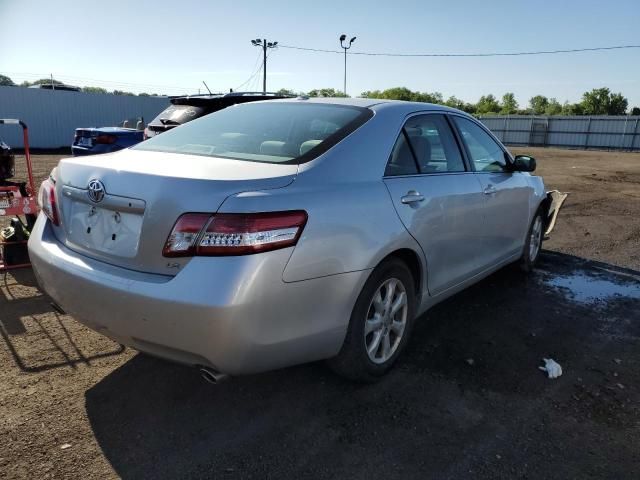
16	199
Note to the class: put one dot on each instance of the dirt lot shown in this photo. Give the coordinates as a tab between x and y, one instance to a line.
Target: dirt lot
601	218
465	401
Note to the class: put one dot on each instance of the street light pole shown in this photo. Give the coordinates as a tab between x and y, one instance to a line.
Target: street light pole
346	47
264	44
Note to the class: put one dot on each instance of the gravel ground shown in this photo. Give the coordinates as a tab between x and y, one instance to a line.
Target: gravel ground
465	401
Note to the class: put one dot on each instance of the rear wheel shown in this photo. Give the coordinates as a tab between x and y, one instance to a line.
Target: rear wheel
380	324
533	244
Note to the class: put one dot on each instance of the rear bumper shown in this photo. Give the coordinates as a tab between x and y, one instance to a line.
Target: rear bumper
234	314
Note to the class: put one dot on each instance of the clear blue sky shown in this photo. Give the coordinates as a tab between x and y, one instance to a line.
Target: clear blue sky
171	46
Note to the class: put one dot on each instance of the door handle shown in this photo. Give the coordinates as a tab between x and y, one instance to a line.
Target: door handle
412	197
490	190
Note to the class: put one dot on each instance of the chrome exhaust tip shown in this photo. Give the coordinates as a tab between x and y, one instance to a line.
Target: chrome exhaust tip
212	376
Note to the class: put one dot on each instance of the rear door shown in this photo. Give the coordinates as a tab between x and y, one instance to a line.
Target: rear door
439	201
506	194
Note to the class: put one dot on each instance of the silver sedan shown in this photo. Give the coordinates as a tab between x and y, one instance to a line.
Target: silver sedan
275	233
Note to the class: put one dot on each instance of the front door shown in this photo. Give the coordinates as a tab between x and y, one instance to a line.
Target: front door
506	194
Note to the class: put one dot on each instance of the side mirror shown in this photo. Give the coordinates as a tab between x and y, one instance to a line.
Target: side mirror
523	163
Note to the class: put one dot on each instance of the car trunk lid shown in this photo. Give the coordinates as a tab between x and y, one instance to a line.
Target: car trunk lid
119	208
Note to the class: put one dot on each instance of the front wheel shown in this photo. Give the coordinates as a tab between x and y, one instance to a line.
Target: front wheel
380	324
533	244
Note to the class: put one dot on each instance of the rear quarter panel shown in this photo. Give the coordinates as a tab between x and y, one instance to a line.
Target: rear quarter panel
351	227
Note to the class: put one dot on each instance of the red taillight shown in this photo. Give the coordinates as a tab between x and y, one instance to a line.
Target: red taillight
47	201
234	233
105	139
183	236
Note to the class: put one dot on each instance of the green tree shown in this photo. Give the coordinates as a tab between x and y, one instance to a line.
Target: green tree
572	109
538	104
285	91
635	111
6	81
395	93
600	101
509	104
617	104
326	92
426	97
47	81
454	102
42	81
487	104
596	102
553	107
122	92
470	108
371	94
94	90
403	93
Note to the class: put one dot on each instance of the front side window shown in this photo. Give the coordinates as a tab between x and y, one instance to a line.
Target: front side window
272	132
485	153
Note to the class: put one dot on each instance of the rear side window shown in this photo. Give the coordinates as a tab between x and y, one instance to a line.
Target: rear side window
484	151
272	132
401	161
425	145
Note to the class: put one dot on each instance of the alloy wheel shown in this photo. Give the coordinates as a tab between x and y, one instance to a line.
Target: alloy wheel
386	320
536	239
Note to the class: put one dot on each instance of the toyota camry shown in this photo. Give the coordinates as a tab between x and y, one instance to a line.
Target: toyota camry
275	233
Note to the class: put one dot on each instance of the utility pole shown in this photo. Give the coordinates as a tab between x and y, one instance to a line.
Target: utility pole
265	45
346	47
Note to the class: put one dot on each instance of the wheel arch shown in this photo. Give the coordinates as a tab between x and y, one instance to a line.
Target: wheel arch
415	265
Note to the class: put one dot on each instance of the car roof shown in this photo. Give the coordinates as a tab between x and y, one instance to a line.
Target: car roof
373	103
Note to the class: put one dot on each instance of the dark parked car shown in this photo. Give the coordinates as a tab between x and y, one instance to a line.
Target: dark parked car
185	109
90	141
57	86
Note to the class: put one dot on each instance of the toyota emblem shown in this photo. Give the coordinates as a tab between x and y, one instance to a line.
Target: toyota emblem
95	191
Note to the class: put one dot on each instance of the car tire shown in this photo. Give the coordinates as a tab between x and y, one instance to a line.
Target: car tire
380	312
533	243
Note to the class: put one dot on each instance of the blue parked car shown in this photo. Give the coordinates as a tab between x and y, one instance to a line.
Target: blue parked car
90	141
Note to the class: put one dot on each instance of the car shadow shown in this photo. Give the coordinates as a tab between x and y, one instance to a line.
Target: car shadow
470	367
27	317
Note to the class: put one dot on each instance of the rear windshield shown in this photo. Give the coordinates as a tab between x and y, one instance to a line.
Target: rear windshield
177	115
272	132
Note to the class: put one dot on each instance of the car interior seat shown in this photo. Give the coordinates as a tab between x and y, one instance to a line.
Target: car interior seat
308	145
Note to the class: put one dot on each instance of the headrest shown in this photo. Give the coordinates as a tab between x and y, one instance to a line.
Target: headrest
308	145
272	147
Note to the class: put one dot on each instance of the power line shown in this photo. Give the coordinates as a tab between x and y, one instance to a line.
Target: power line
491	54
255	69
